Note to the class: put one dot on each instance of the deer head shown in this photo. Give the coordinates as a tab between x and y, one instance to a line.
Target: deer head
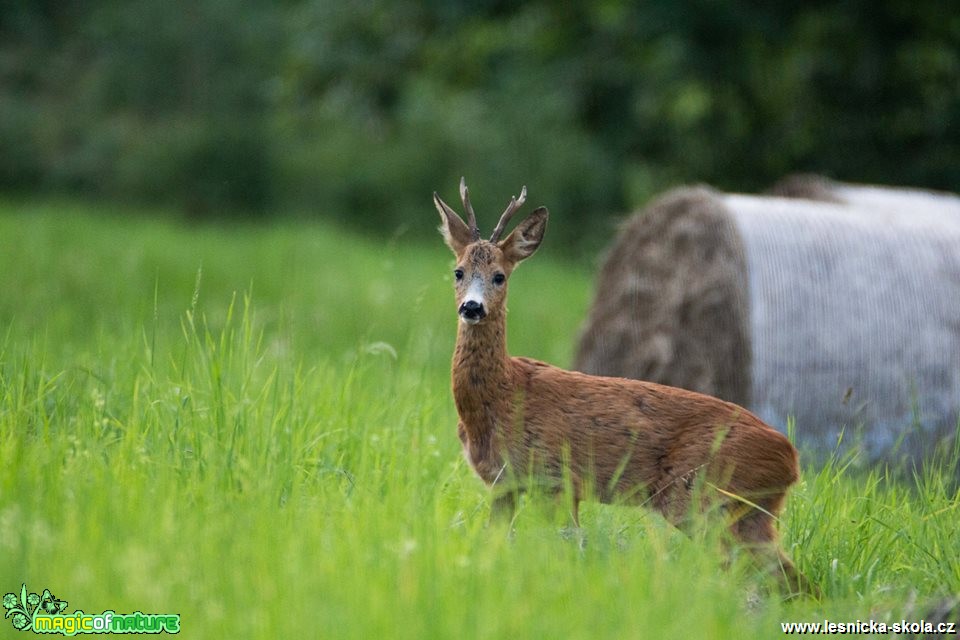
483	266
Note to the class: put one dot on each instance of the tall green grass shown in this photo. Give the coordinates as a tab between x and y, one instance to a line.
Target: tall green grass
252	427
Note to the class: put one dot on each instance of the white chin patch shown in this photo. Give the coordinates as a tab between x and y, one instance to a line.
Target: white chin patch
467	320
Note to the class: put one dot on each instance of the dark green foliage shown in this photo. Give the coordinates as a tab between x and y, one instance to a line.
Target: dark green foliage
359	109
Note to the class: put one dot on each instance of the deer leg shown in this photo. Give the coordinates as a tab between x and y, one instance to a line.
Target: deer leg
754	529
565	511
575	519
504	506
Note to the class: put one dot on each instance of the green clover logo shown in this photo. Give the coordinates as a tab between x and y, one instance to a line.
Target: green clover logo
23	609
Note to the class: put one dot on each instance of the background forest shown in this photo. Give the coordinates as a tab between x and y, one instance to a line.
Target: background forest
358	110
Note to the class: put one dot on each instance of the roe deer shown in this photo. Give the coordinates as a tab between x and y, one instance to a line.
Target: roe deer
609	439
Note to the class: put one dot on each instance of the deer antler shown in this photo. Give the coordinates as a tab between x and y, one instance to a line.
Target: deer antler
465	197
468	209
515	203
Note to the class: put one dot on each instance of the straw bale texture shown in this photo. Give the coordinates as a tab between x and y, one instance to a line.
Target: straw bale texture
838	305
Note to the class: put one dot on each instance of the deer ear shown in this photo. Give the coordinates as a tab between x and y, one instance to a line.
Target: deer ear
524	240
454	230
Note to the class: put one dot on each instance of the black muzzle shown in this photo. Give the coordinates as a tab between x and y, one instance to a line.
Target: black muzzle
472	311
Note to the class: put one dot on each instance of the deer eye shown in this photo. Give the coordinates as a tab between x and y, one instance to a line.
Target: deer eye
458	274
499	278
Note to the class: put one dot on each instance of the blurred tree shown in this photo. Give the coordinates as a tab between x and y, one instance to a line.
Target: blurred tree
358	109
143	99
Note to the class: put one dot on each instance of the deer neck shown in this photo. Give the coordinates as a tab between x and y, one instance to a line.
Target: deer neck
481	375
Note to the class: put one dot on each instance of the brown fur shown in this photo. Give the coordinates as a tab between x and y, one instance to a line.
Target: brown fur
611	439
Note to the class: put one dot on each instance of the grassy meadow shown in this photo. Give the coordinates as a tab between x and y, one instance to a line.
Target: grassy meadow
252	426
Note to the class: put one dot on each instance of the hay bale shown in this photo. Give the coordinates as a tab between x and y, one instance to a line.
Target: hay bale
841	310
671	303
871	197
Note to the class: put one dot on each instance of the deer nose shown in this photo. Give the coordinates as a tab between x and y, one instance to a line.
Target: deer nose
472	310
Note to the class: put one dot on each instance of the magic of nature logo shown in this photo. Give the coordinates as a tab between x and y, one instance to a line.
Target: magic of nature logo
44	613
